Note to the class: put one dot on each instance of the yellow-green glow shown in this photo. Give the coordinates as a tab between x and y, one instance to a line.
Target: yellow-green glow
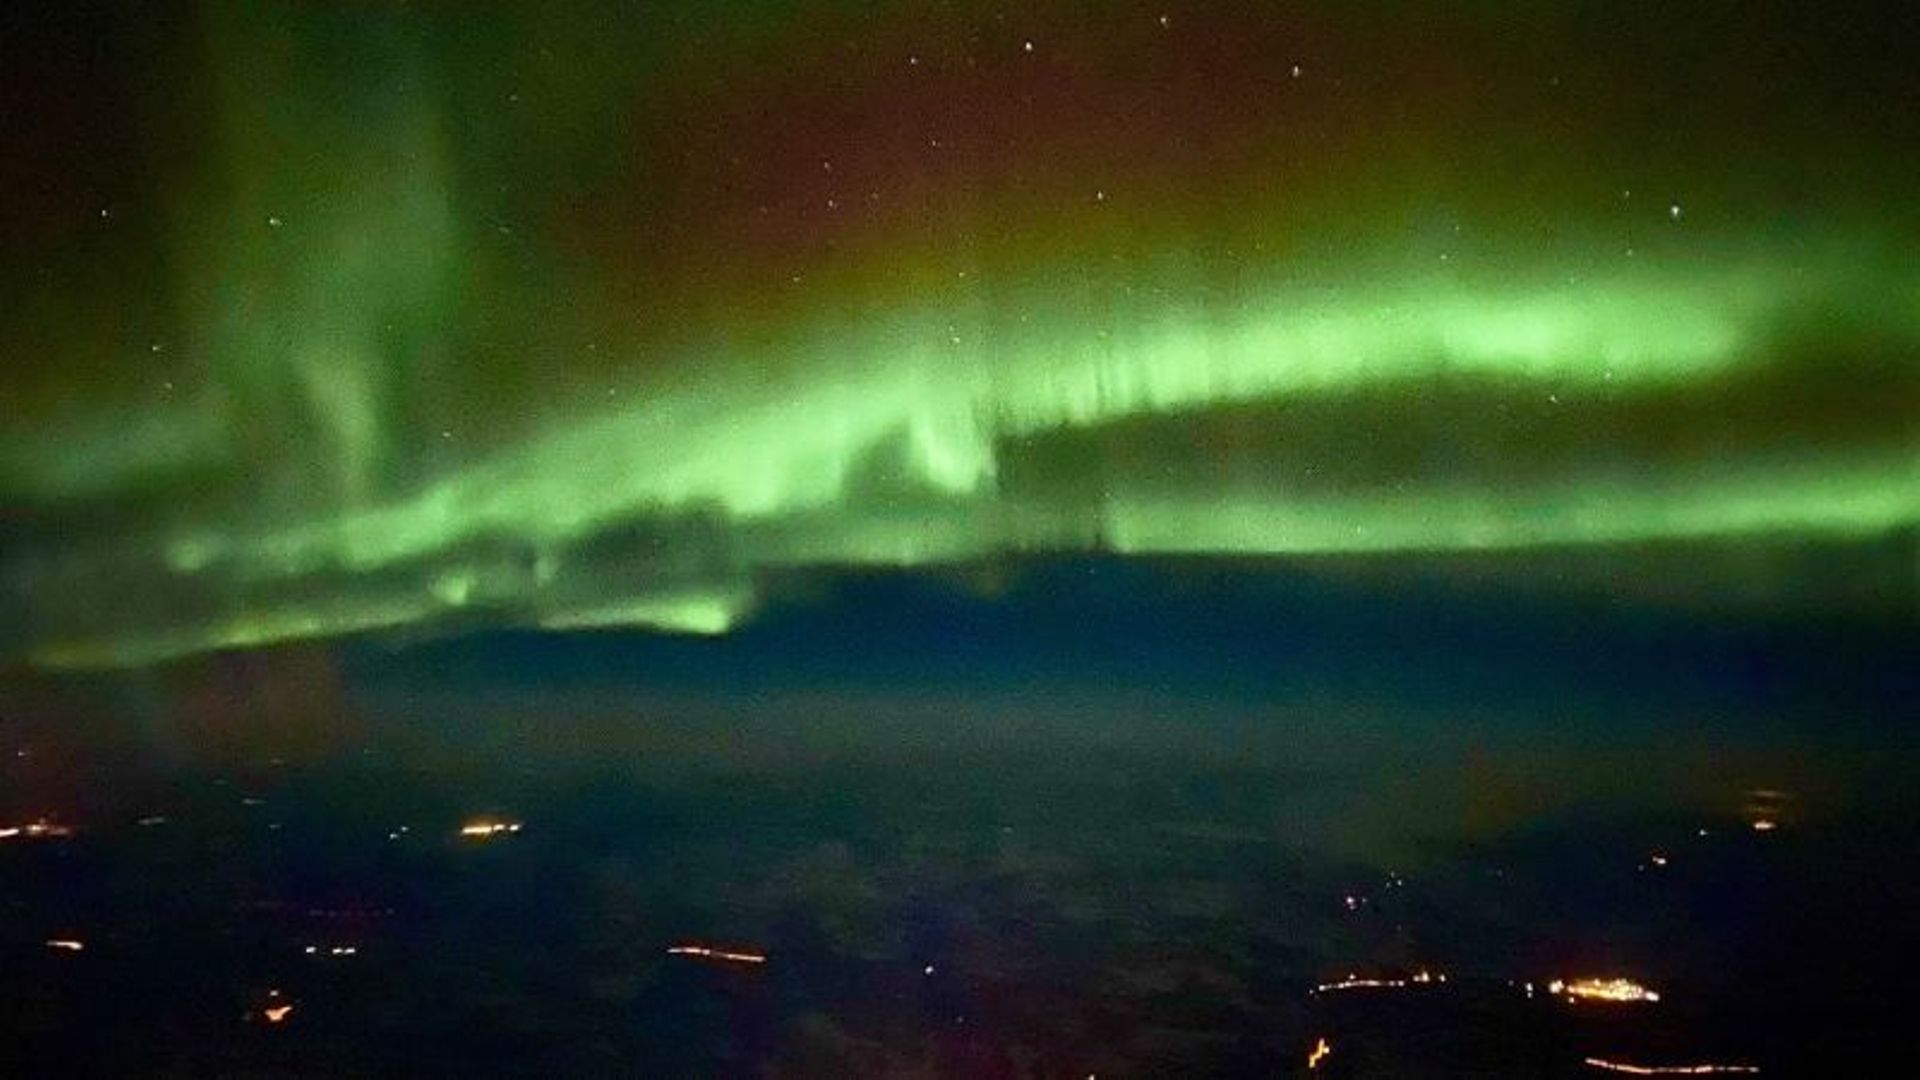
764	452
415	328
696	613
1842	500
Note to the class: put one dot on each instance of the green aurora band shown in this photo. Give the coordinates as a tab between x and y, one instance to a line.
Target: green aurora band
378	393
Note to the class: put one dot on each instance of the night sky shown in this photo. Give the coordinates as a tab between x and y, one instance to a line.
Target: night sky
326	318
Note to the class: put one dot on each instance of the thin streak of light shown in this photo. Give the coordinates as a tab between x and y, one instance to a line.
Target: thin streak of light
1667	1070
717	954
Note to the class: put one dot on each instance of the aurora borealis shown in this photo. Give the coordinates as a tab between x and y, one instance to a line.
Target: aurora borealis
332	317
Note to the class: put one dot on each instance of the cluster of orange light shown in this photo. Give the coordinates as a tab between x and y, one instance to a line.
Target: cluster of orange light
1667	1070
488	828
1354	982
1767	808
37	829
1321	1048
1601	990
717	954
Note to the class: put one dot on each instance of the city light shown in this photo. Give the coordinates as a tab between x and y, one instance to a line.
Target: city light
66	944
1422	977
723	955
1667	1070
1321	1048
1767	808
40	828
487	828
1620	990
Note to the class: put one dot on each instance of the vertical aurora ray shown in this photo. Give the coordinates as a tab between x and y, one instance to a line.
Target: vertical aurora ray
478	317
